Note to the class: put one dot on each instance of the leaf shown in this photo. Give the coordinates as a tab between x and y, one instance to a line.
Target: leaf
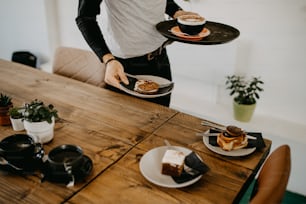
259	89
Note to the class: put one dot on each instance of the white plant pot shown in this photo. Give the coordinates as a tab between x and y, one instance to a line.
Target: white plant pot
17	124
43	131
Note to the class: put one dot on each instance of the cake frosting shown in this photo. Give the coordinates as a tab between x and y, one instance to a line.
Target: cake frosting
173	162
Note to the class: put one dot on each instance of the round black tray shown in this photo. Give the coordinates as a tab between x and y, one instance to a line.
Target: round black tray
219	33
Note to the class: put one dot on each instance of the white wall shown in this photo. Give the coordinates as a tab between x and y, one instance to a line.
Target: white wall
272	45
24	27
68	30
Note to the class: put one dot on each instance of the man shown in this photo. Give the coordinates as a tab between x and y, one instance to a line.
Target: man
128	40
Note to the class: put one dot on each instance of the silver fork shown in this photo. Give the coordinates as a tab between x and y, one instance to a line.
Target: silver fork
216	127
213	125
205	134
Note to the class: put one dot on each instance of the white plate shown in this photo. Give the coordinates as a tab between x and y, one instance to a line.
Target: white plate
150	168
156	79
233	153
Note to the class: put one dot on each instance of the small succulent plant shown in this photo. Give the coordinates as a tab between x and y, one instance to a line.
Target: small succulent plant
5	100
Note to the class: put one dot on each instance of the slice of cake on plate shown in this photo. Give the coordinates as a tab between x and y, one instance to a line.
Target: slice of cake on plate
173	162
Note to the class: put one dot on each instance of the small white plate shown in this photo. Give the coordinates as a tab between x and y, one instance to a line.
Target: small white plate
150	167
159	80
232	153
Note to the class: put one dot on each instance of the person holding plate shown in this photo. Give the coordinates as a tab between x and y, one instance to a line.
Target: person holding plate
122	34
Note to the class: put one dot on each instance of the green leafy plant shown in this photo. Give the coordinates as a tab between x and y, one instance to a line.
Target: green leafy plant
5	100
245	92
37	111
16	112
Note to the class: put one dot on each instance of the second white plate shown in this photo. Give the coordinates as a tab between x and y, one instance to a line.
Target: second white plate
233	153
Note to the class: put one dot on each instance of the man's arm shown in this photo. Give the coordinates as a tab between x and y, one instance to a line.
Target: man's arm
88	25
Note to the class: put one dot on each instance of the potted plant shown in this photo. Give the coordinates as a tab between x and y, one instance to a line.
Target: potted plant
245	92
5	105
16	117
39	120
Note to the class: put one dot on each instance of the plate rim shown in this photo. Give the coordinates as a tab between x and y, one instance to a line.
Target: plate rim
134	93
233	153
174	185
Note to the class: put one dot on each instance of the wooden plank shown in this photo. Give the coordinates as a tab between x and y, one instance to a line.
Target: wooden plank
182	129
106	125
102	150
124	117
123	182
114	130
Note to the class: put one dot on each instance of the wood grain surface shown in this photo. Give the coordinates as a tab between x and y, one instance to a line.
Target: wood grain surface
225	182
106	125
114	131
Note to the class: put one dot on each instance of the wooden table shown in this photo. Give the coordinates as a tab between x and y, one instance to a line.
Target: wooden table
114	130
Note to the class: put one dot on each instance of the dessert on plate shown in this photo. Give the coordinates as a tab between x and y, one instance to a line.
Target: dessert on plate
146	86
232	138
173	162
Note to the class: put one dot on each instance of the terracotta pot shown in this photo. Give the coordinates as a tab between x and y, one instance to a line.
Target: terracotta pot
242	112
4	115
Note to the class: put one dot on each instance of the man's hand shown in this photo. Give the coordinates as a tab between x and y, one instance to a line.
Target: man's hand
114	74
114	71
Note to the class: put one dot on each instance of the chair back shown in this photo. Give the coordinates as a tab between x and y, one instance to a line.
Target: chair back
273	177
79	64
